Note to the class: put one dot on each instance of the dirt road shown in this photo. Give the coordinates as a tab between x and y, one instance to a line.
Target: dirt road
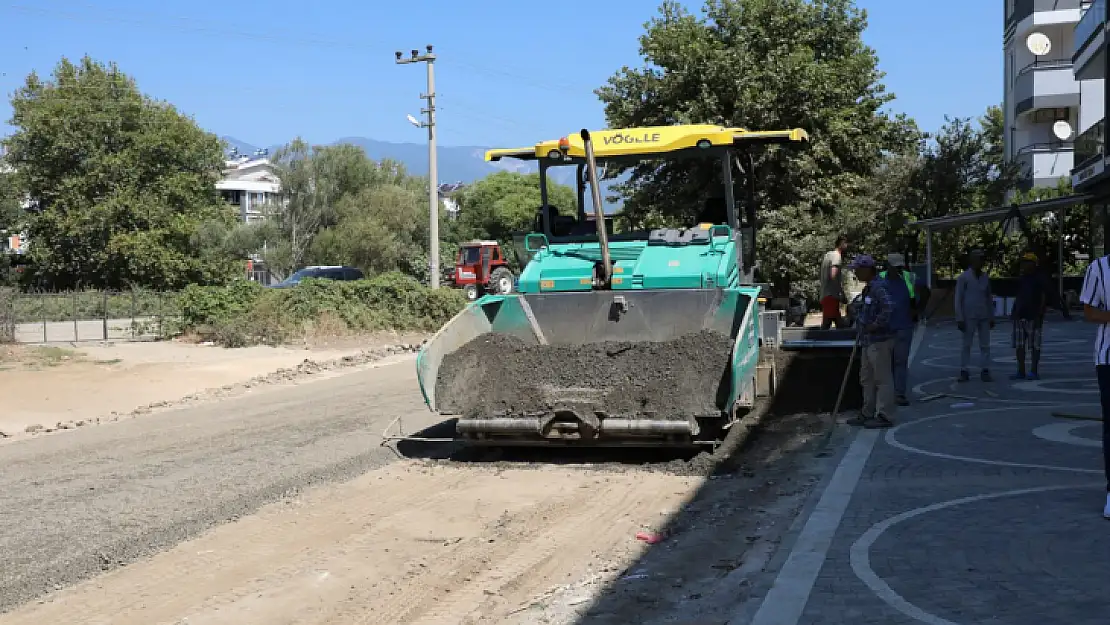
75	504
406	541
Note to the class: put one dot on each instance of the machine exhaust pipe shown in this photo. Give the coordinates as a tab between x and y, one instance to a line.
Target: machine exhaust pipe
599	210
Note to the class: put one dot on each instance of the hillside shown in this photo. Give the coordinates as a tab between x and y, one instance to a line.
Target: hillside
456	163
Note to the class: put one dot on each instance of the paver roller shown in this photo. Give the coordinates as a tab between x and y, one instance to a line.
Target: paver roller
635	338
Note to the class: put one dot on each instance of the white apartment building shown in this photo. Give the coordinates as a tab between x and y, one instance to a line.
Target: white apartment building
1046	105
249	182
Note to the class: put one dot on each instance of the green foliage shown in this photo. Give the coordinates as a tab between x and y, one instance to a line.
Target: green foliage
762	64
246	314
506	202
12	216
503	203
123	184
341	207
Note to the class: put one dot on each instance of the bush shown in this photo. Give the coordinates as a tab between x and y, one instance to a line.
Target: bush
246	313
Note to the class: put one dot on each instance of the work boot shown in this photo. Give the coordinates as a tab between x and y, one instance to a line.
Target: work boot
985	376
858	420
964	377
879	421
901	400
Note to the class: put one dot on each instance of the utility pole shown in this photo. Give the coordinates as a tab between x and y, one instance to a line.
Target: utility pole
429	58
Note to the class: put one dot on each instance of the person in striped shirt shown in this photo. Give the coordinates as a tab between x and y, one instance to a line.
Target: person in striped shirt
1096	298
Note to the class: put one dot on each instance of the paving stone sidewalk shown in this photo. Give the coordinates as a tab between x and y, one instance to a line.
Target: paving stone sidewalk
978	509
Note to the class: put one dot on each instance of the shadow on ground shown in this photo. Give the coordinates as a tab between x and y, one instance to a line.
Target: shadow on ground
707	552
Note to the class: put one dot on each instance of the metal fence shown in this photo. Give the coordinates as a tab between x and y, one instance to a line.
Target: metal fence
76	316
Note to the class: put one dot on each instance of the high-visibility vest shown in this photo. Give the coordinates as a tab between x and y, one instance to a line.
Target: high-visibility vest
907	277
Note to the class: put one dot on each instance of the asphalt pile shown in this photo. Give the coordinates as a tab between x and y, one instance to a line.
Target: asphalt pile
497	375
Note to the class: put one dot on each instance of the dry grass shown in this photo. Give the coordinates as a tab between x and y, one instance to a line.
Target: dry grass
37	357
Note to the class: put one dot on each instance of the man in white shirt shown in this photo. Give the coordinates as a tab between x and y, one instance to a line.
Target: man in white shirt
1096	298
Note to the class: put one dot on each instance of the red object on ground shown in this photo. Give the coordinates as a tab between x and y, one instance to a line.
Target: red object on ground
649	537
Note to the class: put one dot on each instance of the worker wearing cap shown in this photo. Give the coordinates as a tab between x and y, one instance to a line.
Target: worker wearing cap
1028	316
900	284
975	315
876	345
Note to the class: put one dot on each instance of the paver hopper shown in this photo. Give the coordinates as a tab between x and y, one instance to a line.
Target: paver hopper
630	338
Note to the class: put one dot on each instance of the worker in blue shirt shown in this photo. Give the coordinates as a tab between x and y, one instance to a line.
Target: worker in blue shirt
876	344
902	286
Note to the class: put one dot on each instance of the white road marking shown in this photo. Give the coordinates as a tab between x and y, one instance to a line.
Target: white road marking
1062	433
787	598
860	557
892	440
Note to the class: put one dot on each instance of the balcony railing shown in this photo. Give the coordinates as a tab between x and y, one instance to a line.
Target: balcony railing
1055	146
1025	8
1090	144
1046	84
1088	25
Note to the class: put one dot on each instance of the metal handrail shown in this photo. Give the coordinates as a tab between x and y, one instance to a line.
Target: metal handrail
1052	146
1053	64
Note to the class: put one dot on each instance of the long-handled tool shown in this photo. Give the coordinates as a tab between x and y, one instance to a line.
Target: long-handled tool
847	371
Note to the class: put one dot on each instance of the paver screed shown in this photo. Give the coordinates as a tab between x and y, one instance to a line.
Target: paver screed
976	509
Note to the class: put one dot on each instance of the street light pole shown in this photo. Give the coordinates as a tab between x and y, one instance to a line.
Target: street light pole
433	179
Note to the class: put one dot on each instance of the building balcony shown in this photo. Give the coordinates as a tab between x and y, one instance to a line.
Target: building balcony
1046	163
1090	150
1090	43
1046	85
1029	14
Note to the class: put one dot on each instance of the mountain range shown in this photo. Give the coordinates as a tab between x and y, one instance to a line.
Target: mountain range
455	163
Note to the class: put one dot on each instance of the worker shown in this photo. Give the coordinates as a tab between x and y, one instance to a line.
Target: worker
1096	301
833	293
876	345
1028	315
975	315
901	283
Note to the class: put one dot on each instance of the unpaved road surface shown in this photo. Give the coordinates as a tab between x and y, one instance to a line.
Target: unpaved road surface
80	502
45	385
127	523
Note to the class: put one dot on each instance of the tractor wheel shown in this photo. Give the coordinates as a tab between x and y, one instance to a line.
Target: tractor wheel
471	291
501	281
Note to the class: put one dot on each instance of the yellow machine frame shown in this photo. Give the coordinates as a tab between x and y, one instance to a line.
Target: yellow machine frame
646	141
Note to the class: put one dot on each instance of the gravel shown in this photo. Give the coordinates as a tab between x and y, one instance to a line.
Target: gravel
86	501
497	374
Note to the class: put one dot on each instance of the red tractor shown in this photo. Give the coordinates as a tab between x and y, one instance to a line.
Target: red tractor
481	268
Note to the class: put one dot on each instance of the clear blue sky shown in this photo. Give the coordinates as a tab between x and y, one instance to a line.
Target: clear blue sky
510	72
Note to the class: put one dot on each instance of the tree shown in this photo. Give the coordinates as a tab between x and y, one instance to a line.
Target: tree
122	186
12	215
505	202
762	64
325	191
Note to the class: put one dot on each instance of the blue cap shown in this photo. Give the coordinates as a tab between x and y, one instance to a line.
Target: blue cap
863	260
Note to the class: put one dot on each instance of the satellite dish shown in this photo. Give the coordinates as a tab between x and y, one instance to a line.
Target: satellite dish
1038	43
413	120
1062	130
